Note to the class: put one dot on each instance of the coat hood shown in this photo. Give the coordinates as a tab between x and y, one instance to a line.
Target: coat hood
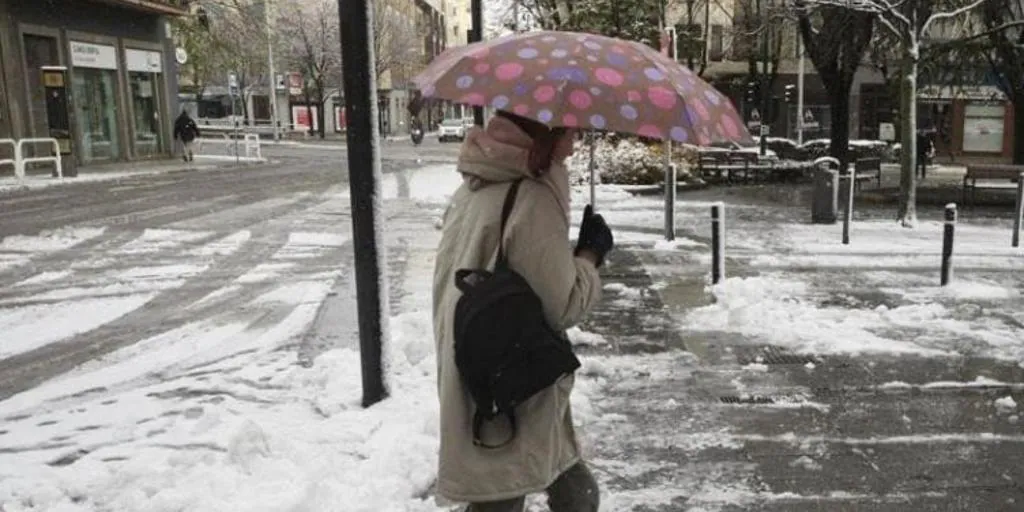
501	153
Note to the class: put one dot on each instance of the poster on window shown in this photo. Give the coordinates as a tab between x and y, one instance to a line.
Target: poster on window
983	128
301	117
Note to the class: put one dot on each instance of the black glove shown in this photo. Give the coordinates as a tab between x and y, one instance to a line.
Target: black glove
595	236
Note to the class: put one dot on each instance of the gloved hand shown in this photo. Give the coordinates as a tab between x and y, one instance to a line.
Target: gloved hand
594	235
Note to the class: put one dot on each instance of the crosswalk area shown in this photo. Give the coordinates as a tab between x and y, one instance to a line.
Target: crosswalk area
160	320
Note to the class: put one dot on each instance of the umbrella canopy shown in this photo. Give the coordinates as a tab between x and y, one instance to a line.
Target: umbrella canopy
587	81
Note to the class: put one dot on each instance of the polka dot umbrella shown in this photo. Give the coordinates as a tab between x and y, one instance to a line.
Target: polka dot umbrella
585	81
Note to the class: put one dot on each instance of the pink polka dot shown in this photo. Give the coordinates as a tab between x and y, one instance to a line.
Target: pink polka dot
730	128
521	109
544	93
481	67
633	96
701	109
649	130
570	120
661	97
609	76
473	98
580	100
508	71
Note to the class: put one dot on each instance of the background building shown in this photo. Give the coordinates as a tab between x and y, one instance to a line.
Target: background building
121	74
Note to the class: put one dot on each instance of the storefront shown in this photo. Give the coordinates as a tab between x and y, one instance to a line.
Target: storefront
120	67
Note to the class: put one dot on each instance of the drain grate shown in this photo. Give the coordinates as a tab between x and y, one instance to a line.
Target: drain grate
773	355
734	399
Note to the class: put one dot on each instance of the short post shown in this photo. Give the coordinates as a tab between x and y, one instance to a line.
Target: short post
717	243
947	244
848	216
1019	211
670	201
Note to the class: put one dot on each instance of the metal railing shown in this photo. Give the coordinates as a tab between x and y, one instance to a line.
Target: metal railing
20	161
13	162
248	147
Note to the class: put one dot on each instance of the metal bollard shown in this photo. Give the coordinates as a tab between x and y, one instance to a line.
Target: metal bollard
947	244
717	243
1019	211
670	202
848	216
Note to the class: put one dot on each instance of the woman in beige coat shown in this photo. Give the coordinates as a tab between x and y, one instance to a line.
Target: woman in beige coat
545	454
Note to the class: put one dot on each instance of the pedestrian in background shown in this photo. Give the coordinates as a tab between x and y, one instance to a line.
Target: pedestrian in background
544	454
925	152
186	130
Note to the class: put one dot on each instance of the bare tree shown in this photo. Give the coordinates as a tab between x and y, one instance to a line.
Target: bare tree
836	40
310	30
398	43
910	22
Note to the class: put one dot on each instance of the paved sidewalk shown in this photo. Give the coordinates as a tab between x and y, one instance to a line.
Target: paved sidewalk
691	420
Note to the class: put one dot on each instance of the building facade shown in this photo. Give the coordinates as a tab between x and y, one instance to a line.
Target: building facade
121	78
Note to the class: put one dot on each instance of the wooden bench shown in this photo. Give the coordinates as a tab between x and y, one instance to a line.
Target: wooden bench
728	165
992	176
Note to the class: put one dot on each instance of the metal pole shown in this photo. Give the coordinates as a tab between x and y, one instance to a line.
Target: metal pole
800	95
670	168
364	169
766	95
947	244
593	169
272	81
477	14
848	216
1019	211
235	132
717	243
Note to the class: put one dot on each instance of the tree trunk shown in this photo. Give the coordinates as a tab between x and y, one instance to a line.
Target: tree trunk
839	115
907	212
1018	130
320	114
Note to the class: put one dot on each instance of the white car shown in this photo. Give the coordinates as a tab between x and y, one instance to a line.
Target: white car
451	129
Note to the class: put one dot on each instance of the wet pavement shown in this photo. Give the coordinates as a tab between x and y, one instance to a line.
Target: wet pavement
696	419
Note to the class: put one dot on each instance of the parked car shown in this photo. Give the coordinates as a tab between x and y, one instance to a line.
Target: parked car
451	130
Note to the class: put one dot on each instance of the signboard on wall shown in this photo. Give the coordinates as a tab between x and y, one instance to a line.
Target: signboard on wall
143	60
89	55
301	117
294	83
339	118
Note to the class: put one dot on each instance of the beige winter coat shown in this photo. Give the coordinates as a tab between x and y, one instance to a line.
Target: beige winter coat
537	245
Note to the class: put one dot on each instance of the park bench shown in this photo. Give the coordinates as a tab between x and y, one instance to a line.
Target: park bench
990	176
729	166
868	169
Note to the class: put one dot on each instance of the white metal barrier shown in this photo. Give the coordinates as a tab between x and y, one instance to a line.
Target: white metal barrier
20	161
247	148
13	162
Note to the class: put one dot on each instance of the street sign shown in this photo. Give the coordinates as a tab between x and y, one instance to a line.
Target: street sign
887	132
755	119
181	56
764	130
232	84
809	121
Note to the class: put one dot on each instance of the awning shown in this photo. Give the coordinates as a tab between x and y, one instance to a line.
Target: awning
171	7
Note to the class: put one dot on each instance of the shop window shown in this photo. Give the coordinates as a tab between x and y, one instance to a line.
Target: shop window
146	114
983	128
39	51
717	50
96	112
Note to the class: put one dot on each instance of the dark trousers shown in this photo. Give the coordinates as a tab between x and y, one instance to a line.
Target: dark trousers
573	491
922	166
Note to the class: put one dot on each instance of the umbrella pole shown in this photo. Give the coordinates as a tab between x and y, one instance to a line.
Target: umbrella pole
670	194
593	166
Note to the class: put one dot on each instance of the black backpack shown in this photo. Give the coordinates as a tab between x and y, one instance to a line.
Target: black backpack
505	350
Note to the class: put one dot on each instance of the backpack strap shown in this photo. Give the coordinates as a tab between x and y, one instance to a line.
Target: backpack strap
506	209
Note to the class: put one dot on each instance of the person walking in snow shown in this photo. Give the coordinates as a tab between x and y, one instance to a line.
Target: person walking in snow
544	453
186	130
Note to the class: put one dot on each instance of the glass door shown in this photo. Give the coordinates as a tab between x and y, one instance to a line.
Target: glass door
96	113
145	113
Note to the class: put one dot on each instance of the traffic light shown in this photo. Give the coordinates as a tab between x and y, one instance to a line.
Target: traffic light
790	93
751	92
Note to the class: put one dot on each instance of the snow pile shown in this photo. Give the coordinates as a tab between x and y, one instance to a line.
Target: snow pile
626	162
49	241
579	337
1006	404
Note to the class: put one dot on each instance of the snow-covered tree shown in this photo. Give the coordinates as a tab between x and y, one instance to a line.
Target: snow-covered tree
910	22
